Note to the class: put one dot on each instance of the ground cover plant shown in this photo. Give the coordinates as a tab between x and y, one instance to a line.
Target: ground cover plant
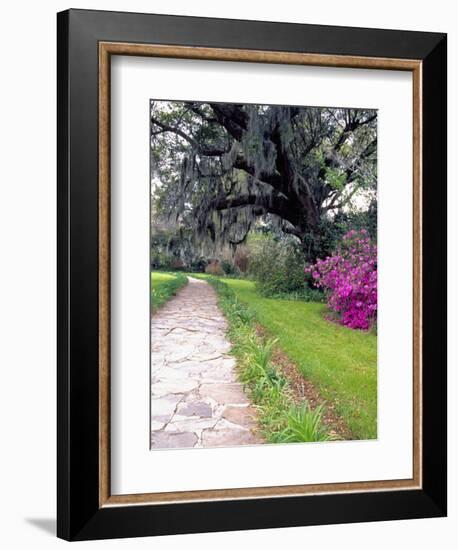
164	286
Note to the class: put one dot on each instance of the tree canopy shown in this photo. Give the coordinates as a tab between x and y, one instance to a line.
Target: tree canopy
221	168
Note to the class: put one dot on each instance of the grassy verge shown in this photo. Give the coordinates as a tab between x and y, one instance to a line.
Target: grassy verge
164	286
340	362
281	420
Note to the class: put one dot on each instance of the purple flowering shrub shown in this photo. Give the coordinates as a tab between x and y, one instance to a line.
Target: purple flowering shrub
349	278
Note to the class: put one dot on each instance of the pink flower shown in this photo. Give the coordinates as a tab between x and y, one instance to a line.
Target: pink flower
350	280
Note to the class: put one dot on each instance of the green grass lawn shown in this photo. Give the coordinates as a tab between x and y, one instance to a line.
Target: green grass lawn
341	362
164	286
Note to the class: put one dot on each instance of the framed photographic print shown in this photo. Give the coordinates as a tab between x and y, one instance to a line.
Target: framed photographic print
251	274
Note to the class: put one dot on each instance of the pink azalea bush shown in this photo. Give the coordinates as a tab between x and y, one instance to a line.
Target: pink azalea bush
349	278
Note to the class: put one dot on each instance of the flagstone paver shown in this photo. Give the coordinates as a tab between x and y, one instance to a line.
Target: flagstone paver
196	400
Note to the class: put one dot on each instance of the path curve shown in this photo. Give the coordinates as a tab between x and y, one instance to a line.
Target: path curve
196	400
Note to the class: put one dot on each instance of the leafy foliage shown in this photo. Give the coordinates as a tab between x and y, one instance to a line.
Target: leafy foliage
229	268
277	266
218	168
303	424
174	249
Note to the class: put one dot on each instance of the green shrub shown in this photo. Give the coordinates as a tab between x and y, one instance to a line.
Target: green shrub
229	268
277	266
198	265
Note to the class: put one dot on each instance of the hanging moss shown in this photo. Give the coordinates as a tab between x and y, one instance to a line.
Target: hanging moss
290	165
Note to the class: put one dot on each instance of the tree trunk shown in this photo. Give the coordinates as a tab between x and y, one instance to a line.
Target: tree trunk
311	244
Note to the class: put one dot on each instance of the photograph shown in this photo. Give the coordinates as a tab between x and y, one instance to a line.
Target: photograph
263	274
251	318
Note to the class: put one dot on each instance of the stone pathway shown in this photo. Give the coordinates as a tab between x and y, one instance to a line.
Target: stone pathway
196	399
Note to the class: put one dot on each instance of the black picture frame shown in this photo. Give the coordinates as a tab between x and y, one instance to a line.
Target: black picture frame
80	516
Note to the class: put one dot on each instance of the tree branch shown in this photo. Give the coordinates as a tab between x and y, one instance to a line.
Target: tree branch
203	151
232	118
274	203
196	110
352	125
